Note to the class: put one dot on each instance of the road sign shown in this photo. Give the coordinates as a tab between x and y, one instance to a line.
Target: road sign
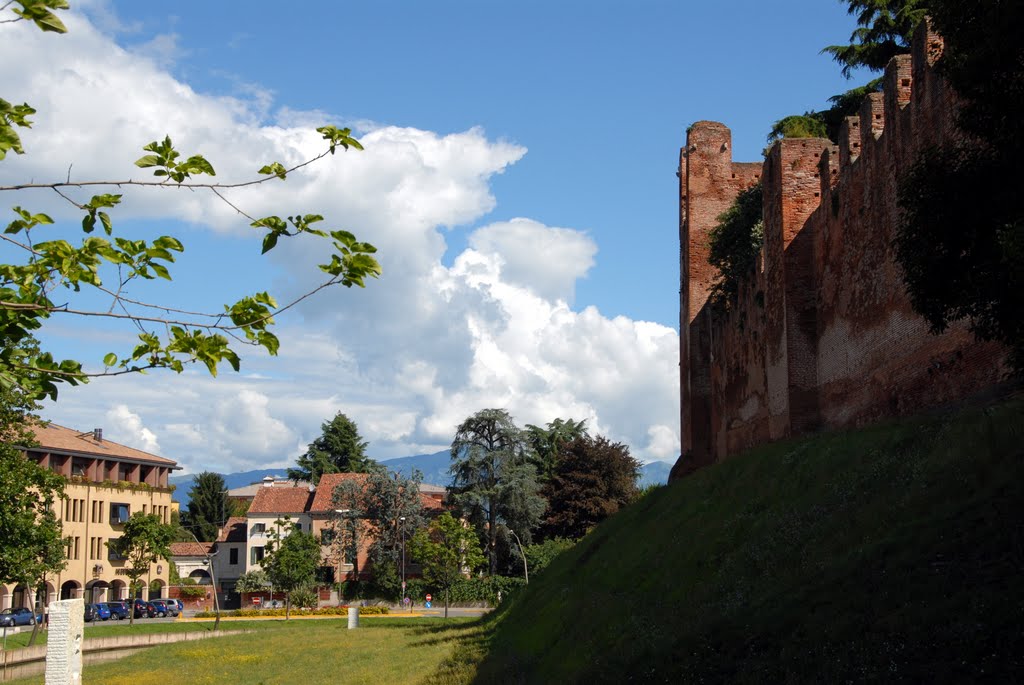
403	584
406	601
427	605
429	598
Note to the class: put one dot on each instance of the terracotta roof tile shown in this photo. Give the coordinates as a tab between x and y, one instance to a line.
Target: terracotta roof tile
234	530
190	549
325	489
54	437
281	500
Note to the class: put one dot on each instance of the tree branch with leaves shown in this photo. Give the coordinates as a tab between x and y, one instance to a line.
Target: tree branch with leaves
52	272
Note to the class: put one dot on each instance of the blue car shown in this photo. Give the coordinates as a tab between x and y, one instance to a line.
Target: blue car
97	612
118	610
19	617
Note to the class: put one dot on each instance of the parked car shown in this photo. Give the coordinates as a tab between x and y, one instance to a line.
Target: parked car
162	609
172	607
178	603
102	611
143	609
19	617
118	610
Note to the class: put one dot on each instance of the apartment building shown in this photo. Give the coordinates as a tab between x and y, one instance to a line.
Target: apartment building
107	483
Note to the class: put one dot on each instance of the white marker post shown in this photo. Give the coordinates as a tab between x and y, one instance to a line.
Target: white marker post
64	642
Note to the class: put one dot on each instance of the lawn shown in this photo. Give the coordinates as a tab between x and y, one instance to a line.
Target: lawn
382	650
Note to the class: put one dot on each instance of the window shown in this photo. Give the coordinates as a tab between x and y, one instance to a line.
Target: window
119	513
256	555
259	528
327	536
233	556
114	552
78	467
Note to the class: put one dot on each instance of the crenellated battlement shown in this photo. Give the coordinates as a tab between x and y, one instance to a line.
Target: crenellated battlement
823	334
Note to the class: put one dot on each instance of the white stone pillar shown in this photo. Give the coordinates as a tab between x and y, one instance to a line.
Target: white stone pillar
64	642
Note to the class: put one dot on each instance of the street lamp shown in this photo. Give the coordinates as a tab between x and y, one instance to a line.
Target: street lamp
402	519
526	572
213	579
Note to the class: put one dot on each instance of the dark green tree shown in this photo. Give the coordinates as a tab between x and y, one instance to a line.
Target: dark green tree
734	243
339	449
145	540
594	478
494	480
448	550
545	442
293	556
208	506
884	30
960	242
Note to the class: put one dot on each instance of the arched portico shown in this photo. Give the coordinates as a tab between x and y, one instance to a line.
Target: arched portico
118	590
70	589
140	590
201	576
97	591
156	590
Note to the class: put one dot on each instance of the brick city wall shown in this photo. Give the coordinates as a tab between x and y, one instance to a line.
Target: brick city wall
823	334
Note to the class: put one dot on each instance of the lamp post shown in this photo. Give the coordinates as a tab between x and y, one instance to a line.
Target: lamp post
213	579
341	551
402	519
526	571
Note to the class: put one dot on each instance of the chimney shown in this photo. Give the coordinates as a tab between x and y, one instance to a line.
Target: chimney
268	481
97	434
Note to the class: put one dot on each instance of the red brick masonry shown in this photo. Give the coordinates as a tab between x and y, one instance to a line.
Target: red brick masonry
824	335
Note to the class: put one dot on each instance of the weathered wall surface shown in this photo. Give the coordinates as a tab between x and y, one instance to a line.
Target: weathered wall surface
823	335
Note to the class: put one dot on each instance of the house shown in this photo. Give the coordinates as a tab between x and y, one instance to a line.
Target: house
311	509
107	483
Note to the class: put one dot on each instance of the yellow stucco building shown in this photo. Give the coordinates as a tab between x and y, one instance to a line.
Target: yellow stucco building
107	483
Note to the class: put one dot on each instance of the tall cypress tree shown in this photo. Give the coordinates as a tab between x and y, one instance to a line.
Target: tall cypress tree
208	506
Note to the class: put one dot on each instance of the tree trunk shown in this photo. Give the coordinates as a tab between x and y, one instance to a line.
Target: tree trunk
287	605
446	602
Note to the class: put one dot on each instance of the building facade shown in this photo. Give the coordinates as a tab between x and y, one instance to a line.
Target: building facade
106	483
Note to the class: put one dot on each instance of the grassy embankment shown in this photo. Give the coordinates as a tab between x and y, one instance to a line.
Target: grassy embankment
888	554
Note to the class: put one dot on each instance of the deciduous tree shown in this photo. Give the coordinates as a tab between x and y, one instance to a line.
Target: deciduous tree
960	242
31	542
547	441
594	478
389	499
144	540
51	265
448	550
293	557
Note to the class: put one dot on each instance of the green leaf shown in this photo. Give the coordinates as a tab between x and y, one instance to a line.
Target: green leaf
277	169
147	161
110	359
269	242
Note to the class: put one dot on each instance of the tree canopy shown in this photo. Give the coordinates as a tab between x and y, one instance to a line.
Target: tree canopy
144	540
390	498
447	550
594	478
208	506
339	449
494	480
960	241
57	270
293	556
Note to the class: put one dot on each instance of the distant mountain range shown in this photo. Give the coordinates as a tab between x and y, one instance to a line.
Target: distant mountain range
434	468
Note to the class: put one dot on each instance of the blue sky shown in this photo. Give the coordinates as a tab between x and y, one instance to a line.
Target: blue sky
519	179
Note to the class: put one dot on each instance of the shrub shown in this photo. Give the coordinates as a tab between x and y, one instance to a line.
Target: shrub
734	244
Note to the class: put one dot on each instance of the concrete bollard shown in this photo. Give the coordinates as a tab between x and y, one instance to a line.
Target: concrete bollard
64	642
353	617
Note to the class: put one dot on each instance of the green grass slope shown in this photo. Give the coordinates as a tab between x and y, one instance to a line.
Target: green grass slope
890	554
